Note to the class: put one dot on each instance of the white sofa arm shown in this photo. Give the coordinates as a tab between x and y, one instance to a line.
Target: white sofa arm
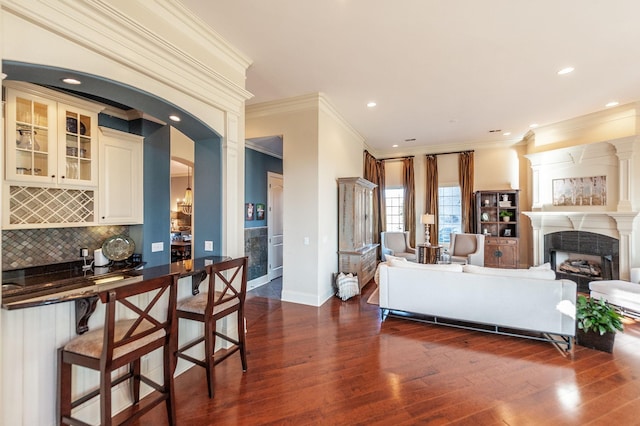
634	275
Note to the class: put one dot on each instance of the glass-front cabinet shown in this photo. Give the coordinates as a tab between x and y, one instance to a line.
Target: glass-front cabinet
78	163
31	136
49	142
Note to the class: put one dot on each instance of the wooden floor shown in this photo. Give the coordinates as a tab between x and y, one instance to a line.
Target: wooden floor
339	365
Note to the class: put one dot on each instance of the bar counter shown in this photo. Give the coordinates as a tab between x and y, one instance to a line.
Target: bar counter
63	287
35	326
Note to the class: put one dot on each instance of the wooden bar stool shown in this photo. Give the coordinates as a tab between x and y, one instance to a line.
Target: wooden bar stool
226	293
150	324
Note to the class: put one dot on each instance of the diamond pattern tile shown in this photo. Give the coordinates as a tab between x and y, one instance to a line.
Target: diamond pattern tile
22	248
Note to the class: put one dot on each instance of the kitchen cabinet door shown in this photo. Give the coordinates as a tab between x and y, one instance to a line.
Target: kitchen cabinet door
120	178
77	143
31	137
50	143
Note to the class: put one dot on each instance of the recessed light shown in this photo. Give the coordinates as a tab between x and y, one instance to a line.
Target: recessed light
534	125
394	145
371	104
71	81
566	70
611	104
506	134
174	118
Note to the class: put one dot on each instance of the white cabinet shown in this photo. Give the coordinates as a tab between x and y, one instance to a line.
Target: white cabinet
121	176
50	142
58	170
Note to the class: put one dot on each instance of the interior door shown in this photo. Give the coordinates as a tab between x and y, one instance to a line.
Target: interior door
275	224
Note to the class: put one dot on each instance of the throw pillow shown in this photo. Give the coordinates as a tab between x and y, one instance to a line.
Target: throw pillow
449	267
543	267
347	285
513	273
389	258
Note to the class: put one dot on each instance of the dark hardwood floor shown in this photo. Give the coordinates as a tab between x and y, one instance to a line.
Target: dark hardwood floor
339	365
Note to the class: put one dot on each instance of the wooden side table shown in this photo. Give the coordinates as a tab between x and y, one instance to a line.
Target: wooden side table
428	253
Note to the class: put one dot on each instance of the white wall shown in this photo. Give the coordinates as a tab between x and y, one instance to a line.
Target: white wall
297	121
318	147
341	155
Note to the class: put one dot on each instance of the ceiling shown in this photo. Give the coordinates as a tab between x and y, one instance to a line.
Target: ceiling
443	73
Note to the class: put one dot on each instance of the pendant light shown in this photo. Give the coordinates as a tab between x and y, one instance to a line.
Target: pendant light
187	203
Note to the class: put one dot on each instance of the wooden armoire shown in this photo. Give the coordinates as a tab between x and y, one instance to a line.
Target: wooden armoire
356	251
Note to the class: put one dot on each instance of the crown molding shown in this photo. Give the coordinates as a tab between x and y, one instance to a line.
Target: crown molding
261	148
282	106
112	33
327	107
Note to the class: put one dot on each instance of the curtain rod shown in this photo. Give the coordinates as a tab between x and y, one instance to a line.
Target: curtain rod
397	158
452	152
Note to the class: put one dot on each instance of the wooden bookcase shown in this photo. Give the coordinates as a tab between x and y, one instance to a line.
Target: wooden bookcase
501	249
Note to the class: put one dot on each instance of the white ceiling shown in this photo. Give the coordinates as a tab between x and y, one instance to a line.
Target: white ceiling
442	72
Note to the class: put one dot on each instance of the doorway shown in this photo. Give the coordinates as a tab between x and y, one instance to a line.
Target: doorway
275	225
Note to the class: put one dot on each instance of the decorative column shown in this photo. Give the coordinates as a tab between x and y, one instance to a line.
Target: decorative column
233	187
537	238
624	151
624	222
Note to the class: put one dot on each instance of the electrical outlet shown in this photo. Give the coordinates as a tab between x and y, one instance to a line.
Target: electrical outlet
208	246
157	246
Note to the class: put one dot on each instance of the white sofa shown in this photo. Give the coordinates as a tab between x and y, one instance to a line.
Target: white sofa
522	299
624	294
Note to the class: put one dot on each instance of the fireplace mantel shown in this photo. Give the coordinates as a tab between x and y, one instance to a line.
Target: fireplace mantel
613	224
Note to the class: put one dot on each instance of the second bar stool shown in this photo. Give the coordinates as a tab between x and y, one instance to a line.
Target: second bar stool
226	293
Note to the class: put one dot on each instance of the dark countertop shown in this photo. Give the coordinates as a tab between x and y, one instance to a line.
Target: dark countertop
22	290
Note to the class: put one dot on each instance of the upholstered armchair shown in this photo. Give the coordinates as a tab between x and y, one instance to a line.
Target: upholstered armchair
397	244
468	248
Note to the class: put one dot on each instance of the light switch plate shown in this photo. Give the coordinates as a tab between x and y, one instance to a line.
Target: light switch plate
157	247
208	246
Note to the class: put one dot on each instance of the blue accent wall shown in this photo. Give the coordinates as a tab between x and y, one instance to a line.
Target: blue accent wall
257	165
207	193
157	181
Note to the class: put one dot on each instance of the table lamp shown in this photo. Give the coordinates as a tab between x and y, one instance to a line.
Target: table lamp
427	220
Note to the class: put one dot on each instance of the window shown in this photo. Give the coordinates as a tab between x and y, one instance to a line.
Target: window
449	212
394	209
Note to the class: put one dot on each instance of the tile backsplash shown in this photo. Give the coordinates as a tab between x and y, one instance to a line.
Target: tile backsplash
22	248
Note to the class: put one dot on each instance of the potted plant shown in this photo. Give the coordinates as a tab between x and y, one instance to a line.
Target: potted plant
598	323
506	215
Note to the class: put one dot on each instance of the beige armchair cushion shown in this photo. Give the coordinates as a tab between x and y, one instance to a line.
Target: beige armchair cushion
397	244
467	248
465	244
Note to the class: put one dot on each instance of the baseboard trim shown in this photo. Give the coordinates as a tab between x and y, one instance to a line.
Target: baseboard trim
257	282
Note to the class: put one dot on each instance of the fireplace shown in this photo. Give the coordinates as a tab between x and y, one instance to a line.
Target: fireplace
582	256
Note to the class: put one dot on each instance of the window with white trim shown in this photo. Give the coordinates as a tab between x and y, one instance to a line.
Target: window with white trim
449	212
394	208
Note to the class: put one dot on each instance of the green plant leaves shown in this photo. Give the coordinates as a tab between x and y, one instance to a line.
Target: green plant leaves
597	315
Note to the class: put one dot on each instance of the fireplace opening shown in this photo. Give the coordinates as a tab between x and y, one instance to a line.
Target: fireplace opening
590	266
582	257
